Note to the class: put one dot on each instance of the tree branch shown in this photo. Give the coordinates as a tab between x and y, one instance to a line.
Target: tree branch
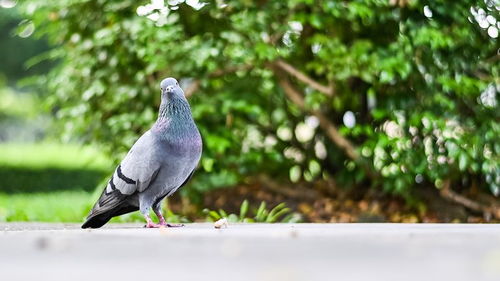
447	193
331	130
327	90
297	191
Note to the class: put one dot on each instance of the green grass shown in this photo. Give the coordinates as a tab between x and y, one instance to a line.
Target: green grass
49	182
52	155
58	206
61	206
46	167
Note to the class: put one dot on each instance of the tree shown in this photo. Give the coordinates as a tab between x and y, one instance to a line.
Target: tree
393	94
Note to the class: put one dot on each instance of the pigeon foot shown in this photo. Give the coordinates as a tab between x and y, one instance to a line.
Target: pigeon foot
152	225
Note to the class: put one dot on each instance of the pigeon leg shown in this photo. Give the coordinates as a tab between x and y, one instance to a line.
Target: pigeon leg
144	207
157	209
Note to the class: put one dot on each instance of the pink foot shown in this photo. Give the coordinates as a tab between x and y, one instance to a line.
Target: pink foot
150	224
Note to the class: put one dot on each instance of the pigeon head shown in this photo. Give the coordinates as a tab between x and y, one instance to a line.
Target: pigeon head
173	101
170	86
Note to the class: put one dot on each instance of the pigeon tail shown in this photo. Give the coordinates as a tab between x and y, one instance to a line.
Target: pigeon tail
98	220
109	205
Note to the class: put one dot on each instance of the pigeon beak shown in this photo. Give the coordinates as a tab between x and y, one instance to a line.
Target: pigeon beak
169	89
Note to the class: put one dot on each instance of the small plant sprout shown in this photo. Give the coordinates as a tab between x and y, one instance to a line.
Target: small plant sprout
280	213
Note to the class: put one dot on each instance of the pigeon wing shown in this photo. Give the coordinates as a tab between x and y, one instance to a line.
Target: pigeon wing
134	174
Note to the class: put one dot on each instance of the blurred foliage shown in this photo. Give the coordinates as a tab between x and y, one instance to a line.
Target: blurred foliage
22	112
21	116
49	167
17	105
415	85
17	47
280	213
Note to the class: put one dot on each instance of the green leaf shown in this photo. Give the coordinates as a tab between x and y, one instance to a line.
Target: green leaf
223	213
463	161
243	209
261	212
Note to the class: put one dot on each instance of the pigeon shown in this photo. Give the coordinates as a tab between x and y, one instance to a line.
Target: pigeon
160	162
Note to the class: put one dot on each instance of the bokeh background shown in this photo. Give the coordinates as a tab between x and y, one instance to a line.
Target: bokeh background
312	111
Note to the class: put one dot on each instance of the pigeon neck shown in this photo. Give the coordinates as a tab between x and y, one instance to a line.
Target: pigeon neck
174	106
175	121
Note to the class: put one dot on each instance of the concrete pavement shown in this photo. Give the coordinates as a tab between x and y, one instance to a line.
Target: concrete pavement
35	251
